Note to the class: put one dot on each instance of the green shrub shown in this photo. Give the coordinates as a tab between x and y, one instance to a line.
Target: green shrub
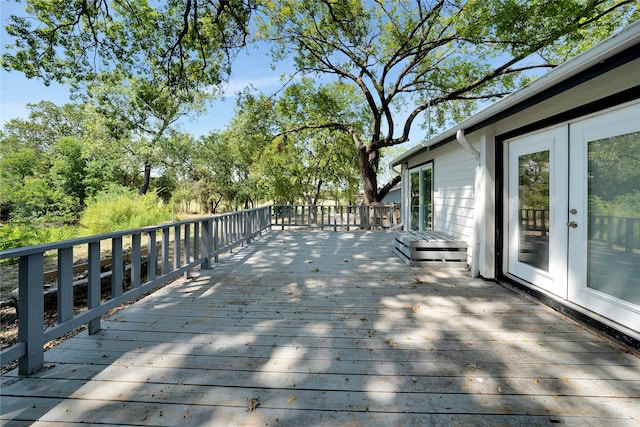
120	208
16	235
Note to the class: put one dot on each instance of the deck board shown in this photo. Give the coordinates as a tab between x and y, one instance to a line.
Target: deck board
330	328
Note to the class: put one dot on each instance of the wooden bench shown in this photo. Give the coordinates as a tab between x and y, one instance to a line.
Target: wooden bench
430	249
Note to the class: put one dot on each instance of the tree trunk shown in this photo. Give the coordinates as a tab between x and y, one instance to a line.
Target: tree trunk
369	160
317	192
145	179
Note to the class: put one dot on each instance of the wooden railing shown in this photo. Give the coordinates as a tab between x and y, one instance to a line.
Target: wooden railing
170	250
620	232
183	246
343	217
536	220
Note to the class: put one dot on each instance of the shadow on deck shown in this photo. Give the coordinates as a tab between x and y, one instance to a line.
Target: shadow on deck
324	328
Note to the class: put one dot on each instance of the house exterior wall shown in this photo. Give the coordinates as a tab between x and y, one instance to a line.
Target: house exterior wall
470	195
453	190
393	196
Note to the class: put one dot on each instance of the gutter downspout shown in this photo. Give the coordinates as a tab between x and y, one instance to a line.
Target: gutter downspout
463	141
477	204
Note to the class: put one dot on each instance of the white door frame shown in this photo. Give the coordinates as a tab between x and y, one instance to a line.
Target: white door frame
555	141
419	170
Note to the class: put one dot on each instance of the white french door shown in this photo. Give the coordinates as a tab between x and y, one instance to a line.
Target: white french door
604	203
574	212
537	205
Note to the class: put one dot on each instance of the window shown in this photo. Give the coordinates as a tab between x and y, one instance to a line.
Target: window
420	198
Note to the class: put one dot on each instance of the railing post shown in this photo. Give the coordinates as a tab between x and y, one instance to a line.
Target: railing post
94	287
65	284
31	312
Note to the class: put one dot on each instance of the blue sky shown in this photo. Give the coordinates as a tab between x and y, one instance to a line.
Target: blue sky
251	67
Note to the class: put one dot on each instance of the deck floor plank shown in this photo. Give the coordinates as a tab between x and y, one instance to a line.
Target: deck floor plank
329	328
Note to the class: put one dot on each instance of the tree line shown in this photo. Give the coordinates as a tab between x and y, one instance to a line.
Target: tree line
63	156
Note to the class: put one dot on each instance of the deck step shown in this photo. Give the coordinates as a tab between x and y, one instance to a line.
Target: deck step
429	249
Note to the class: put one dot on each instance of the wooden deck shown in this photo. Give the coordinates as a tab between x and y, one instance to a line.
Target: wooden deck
330	328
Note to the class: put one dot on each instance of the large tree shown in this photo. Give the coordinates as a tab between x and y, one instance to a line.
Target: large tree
146	113
50	162
412	58
145	64
301	161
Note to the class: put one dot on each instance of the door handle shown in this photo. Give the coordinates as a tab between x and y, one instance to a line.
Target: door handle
572	224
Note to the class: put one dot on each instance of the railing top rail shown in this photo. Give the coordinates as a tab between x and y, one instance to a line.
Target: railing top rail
36	249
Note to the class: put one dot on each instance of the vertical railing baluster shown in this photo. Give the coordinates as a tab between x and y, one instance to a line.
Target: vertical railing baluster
196	239
242	217
152	255
187	248
117	267
31	312
628	241
229	234
136	260
93	284
227	229
215	239
247	227
205	243
165	250
65	284
176	247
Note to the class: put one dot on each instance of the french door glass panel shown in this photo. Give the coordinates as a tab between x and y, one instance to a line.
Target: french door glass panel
533	209
537	202
613	242
604	247
414	200
420	199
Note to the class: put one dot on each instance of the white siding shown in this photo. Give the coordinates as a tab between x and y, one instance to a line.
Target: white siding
453	187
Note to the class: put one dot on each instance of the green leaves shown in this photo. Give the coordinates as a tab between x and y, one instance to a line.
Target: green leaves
185	44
